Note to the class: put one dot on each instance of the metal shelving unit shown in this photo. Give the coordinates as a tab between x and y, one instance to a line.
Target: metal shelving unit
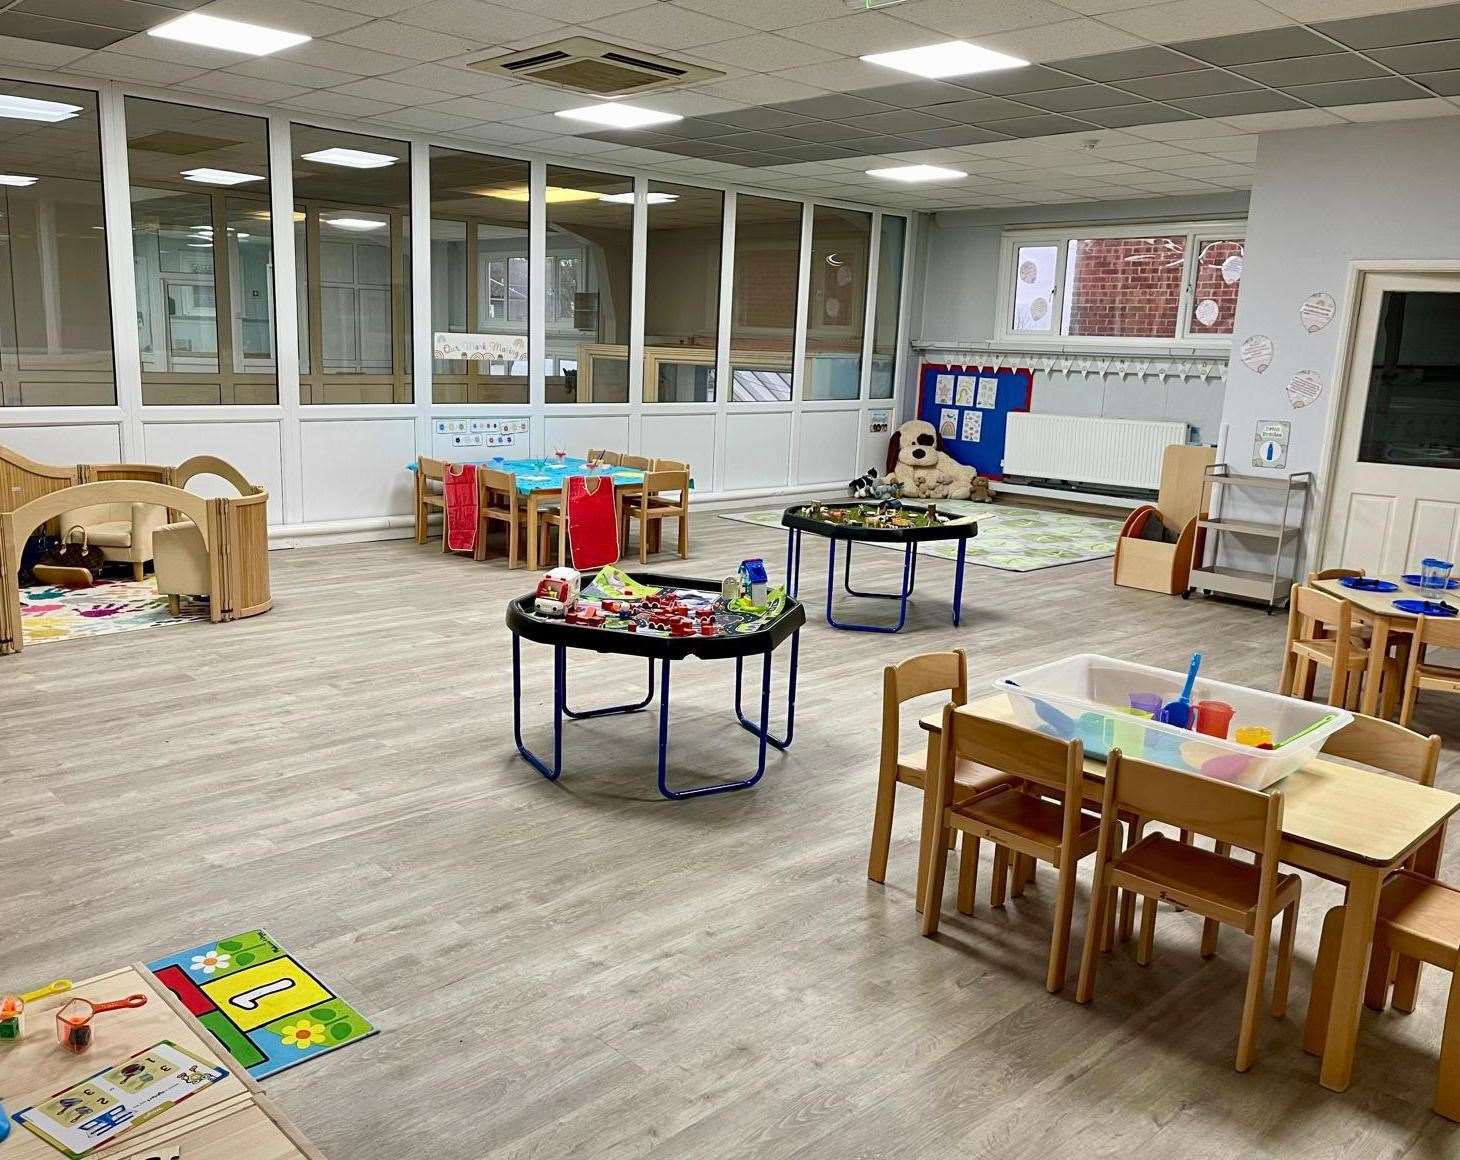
1269	583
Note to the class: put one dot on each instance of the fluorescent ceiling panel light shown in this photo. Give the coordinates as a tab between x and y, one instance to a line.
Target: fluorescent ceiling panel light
952	58
30	109
915	173
227	35
619	116
628	198
556	194
351	158
219	176
358	224
16	179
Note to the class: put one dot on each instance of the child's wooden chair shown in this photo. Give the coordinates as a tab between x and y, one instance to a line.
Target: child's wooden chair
1210	884
1014	820
1420	673
1385	746
428	499
1321	633
1419	922
919	676
500	504
653	503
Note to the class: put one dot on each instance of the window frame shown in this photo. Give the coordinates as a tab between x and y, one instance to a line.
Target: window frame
1196	234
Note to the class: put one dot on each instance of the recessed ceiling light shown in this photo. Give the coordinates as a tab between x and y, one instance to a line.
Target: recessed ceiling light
556	194
228	35
351	158
619	115
30	109
219	176
16	179
911	173
628	198
952	58
358	224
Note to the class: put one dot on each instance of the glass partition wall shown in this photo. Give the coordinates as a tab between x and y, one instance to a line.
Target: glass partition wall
841	246
55	297
352	260
763	299
682	292
202	253
887	314
479	278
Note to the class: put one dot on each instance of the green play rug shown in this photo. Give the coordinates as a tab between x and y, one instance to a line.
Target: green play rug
1012	539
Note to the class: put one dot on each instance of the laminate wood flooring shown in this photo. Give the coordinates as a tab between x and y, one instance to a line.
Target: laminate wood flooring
583	969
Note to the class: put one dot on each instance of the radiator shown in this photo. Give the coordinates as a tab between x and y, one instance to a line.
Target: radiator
1110	452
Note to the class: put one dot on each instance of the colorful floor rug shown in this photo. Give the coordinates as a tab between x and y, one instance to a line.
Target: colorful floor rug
1012	539
262	1006
48	613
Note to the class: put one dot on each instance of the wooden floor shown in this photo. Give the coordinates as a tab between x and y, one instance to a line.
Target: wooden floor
583	969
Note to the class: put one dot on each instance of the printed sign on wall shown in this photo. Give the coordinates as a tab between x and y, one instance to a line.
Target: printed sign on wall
1270	443
1317	312
507	348
1256	352
1304	387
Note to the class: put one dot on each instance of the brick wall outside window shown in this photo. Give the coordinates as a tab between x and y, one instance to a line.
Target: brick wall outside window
1125	287
1212	284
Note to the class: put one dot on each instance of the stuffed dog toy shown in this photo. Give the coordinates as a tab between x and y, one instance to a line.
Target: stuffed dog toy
923	470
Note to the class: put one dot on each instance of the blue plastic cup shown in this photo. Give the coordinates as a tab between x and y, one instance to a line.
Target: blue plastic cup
1434	576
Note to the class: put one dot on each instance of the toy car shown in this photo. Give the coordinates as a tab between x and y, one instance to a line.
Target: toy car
556	592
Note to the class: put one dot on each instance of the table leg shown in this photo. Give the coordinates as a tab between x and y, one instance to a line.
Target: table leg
560	680
793	562
909	558
1374	674
532	529
781	743
608	710
958	582
1361	910
724	786
930	833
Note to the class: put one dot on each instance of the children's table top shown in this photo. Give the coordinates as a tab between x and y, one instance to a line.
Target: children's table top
547	474
865	520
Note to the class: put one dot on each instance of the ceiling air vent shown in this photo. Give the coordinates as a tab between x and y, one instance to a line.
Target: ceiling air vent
583	65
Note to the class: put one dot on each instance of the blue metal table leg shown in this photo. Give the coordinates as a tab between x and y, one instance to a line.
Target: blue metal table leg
609	710
793	562
958	583
724	786
909	558
782	743
847	579
560	671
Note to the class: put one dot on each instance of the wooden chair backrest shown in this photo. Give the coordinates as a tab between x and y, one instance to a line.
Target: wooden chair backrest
431	468
491	480
917	676
1440	631
1334	574
595	454
1312	606
1014	749
1218	809
640	462
612	458
670	465
666	481
1387	746
1181	482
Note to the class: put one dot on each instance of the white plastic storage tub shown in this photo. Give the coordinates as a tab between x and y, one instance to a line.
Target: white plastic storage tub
1083	697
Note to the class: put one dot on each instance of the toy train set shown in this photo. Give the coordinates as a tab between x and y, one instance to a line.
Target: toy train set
615	601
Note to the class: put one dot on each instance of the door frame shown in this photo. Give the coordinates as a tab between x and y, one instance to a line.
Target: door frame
1358	274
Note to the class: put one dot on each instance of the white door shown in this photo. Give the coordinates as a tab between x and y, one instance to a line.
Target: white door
1395	492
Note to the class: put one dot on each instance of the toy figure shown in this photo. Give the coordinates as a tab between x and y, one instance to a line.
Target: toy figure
557	591
753	581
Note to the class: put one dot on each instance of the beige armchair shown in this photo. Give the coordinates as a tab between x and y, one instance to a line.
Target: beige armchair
123	531
181	563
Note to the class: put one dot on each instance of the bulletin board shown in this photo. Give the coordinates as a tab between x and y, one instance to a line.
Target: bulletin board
973	403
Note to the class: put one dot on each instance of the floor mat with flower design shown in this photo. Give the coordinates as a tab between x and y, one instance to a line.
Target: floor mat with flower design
49	613
266	1010
1012	539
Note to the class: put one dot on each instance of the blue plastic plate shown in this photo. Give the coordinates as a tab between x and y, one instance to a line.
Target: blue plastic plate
1413	580
1368	584
1425	607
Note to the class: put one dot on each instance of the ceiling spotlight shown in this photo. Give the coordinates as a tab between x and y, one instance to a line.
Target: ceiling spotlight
30	109
952	58
915	173
218	176
16	179
619	116
351	158
227	35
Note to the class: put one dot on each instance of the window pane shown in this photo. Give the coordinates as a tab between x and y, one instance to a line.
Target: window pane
354	270
889	305
55	300
682	293
479	285
841	244
590	253
203	254
1123	287
763	302
1034	289
1412	412
1218	281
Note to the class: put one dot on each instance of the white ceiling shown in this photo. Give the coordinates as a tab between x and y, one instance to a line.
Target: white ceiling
400	64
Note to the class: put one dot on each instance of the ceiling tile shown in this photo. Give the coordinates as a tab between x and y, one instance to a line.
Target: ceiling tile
495	133
823	132
980	109
478	109
133	15
460	81
270	68
885	143
1356	92
1181	18
219	83
834	105
767	51
1119	66
568	11
1285	119
957	135
1080	97
1037	126
964	18
1396	28
844	74
757	89
1233	104
667	26
1417	58
1011	82
1124	116
425	118
292	15
134	68
362	7
1398	110
1250	47
860	32
811	151
1205	83
751	140
174	51
405	40
754	160
916	94
767	15
1447	83
756	118
898	121
346	58
1311	70
1067	38
340	104
70	32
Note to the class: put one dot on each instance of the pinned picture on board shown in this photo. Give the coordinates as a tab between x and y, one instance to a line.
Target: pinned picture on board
1256	352
964	395
972	430
948	423
943	389
1303	388
988	393
1317	312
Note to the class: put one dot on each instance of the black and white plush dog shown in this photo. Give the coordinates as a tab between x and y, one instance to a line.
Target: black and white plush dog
862	487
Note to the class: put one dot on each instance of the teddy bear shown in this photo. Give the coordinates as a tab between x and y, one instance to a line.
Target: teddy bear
923	470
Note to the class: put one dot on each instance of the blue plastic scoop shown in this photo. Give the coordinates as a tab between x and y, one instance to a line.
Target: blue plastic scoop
1179	712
